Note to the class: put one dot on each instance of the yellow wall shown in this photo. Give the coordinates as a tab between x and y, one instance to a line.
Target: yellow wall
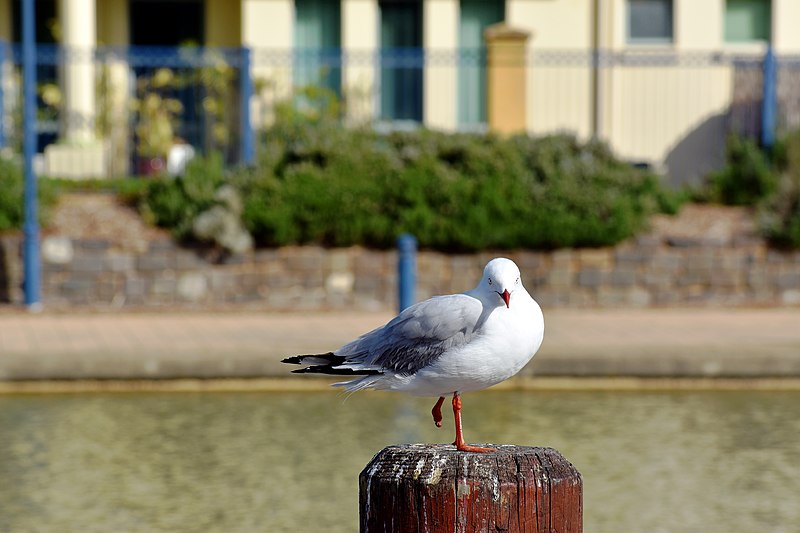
5	20
557	25
440	34
359	36
112	22
223	23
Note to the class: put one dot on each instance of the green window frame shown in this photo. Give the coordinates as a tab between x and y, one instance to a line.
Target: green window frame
748	21
475	17
317	42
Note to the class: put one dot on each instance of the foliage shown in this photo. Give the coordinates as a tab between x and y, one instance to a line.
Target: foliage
747	176
319	183
175	202
12	191
158	113
779	212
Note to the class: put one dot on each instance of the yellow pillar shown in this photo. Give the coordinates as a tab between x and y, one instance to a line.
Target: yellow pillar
506	74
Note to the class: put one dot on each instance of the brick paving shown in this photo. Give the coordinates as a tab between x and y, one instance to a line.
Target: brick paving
601	342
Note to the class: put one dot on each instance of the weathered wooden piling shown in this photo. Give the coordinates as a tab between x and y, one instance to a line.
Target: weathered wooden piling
434	488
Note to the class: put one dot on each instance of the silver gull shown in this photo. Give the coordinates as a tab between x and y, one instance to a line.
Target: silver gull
445	345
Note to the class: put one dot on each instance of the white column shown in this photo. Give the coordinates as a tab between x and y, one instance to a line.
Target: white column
79	31
360	43
268	29
440	39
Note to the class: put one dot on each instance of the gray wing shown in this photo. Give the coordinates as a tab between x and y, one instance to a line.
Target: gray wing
418	336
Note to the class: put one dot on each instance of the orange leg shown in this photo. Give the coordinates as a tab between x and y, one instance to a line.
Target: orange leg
437	412
459	443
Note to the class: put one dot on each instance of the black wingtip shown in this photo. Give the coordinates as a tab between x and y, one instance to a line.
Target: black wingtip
329	357
325	363
329	370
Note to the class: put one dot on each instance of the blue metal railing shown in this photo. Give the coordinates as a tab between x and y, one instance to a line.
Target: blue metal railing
396	92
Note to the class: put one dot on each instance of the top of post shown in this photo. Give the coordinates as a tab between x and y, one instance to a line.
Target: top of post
502	32
438	489
406	242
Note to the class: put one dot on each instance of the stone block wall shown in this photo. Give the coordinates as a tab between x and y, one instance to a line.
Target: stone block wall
641	273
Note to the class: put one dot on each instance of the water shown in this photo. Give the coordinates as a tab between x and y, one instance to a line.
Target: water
652	462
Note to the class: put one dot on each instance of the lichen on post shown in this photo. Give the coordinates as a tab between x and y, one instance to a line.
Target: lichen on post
435	488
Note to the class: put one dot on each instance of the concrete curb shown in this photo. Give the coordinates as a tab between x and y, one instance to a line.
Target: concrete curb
694	343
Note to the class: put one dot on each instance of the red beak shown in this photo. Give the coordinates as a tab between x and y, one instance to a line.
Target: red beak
506	296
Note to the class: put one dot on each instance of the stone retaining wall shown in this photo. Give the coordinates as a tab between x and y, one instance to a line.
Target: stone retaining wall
641	273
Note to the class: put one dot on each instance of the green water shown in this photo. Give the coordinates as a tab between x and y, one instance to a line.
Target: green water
652	462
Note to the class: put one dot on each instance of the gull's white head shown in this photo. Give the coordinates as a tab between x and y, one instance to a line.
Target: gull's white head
501	277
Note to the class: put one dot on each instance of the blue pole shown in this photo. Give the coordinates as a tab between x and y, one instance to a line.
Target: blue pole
31	225
406	270
770	100
246	90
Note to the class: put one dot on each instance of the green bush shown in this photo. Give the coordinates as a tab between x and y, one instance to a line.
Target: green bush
320	183
317	182
779	212
174	203
747	176
12	191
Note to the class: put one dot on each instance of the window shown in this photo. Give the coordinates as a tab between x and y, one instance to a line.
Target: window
747	20
476	16
649	21
317	41
402	60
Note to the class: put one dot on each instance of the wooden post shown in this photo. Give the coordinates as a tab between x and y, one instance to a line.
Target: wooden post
435	488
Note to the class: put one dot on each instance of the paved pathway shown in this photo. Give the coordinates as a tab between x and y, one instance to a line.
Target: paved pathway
651	342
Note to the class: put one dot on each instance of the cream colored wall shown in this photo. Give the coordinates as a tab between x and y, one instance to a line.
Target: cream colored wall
440	36
360	41
267	28
786	26
670	116
560	100
562	24
698	25
223	23
557	25
656	109
112	22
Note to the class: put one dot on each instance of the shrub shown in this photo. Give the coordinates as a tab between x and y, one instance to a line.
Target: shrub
12	192
319	183
747	176
779	212
174	203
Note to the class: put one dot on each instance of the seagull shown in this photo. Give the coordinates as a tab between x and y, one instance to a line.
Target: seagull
445	345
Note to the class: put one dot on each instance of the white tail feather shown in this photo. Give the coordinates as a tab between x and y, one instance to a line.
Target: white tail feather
355	385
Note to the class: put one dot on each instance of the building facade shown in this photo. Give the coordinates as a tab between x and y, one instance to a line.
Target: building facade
655	78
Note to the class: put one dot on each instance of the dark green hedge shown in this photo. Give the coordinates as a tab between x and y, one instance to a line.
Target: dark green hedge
779	211
768	181
317	182
12	190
